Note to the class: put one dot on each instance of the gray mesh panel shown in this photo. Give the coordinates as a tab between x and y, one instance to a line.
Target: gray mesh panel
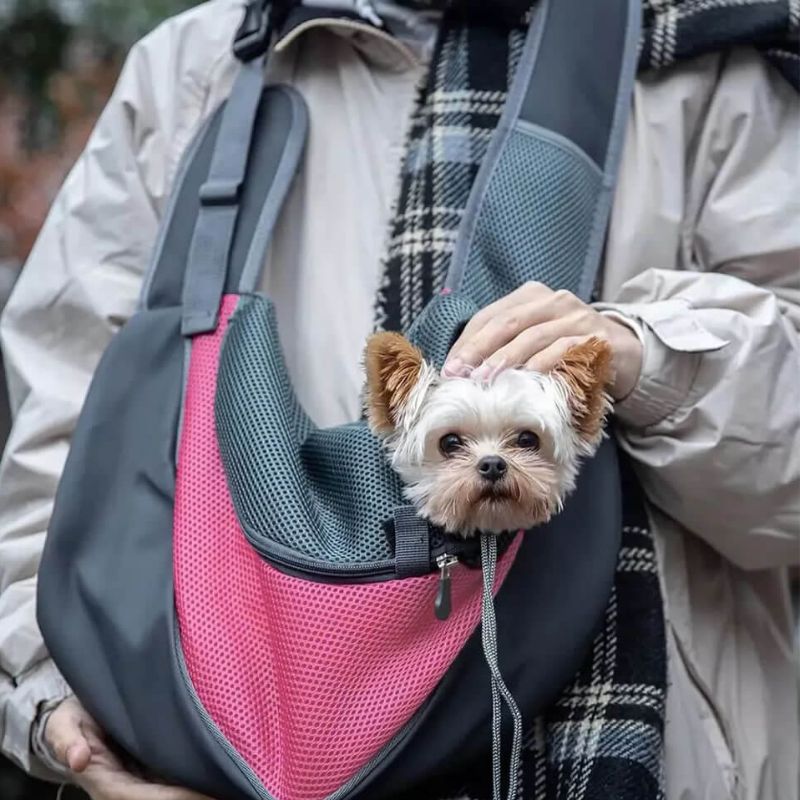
323	493
535	220
439	324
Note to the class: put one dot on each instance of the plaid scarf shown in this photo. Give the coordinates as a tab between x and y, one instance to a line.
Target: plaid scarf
674	30
602	738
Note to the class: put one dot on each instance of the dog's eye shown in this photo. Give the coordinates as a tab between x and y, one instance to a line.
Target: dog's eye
529	440
450	443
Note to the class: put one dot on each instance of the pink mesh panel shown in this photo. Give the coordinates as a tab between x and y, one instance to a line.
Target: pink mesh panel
308	681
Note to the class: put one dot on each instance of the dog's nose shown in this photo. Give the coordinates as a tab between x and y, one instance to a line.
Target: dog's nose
492	468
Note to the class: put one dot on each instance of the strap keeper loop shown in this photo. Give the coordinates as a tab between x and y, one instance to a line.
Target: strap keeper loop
220	193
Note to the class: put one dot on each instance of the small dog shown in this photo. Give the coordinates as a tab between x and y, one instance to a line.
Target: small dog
486	455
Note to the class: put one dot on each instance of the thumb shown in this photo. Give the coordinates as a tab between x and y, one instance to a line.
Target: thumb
77	755
65	737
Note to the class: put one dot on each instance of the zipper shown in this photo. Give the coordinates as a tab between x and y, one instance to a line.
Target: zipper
286	560
444	556
443	604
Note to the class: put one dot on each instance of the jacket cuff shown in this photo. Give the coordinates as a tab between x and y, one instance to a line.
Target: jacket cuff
41	686
673	342
39	746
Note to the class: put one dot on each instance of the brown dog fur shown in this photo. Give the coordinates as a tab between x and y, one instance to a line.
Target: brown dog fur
586	368
392	365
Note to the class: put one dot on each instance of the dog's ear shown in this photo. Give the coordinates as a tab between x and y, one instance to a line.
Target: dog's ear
586	369
393	367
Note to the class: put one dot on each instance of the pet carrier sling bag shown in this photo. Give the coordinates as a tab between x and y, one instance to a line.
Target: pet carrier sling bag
218	586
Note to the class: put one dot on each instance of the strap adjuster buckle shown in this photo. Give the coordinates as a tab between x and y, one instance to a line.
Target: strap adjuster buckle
254	31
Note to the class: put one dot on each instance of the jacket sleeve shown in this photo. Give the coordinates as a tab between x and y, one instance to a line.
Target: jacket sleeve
714	423
80	284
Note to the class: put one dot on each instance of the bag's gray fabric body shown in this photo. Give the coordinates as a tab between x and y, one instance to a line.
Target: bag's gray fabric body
105	603
106	590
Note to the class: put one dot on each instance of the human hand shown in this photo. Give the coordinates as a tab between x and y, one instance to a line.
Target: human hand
533	327
78	743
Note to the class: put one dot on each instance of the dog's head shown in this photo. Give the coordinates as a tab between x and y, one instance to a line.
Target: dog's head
491	455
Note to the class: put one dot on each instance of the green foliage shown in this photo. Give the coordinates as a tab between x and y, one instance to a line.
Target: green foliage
35	33
38	39
32	44
122	22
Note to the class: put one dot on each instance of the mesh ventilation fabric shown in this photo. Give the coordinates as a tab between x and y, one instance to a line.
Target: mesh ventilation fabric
323	493
446	312
536	219
307	681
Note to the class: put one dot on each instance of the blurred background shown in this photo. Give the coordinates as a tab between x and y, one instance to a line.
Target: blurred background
59	60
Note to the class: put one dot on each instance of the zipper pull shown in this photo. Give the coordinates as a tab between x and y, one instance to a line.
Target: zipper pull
443	604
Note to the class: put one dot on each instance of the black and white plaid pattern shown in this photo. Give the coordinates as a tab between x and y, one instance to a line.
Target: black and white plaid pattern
603	737
457	110
674	30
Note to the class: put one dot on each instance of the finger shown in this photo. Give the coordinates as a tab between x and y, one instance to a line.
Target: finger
65	738
531	341
78	756
548	358
508	322
503	329
111	787
103	784
524	294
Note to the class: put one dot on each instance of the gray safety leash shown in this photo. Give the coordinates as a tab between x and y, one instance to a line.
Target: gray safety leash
499	688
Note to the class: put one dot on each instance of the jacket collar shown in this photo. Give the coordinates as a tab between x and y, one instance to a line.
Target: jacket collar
387	33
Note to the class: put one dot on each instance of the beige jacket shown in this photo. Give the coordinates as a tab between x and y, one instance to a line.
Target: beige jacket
704	250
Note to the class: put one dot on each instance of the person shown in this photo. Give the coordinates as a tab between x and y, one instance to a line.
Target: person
700	300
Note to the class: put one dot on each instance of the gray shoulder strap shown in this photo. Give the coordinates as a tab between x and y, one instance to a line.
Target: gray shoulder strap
220	196
229	186
554	155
